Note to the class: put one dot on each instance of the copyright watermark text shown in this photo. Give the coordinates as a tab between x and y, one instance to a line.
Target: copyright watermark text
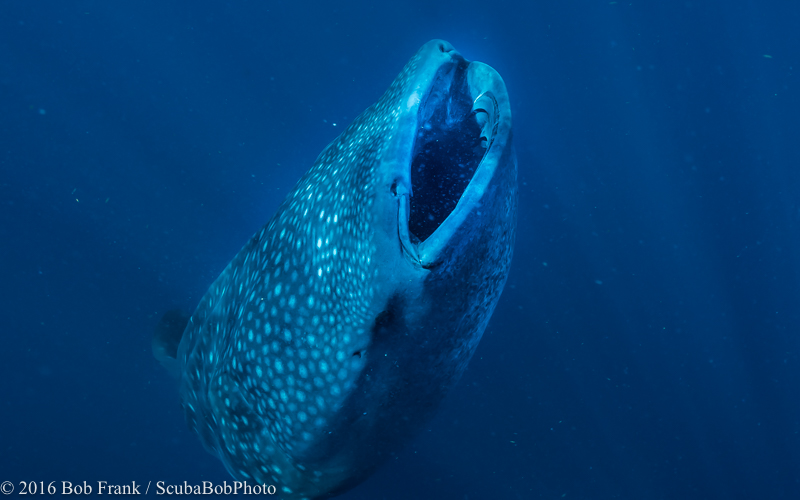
83	488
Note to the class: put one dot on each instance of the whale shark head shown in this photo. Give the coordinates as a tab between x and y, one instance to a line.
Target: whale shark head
336	331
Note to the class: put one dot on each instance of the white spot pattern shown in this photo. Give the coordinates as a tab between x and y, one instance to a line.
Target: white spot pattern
307	279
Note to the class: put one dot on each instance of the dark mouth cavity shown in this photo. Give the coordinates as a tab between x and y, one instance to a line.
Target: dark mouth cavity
447	151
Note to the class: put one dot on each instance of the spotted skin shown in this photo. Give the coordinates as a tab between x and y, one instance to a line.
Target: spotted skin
317	351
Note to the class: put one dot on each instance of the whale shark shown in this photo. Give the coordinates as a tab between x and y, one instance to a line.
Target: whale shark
335	333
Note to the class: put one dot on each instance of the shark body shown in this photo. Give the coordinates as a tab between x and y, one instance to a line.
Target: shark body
340	326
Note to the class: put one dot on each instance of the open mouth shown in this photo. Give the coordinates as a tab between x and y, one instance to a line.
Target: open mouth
450	143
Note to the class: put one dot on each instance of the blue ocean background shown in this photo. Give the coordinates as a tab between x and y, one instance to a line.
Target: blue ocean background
647	345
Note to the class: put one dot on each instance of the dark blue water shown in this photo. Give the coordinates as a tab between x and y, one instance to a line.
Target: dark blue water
647	345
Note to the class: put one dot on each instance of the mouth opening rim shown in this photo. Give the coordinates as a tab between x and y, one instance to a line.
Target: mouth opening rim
453	138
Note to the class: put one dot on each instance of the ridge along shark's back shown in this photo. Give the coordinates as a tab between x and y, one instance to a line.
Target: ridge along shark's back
340	326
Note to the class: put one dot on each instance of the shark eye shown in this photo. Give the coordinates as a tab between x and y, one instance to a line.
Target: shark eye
482	118
485	109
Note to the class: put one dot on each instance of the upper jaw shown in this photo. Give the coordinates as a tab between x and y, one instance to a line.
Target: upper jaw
398	150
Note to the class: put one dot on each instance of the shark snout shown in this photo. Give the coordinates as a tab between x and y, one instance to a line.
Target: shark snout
445	46
441	47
